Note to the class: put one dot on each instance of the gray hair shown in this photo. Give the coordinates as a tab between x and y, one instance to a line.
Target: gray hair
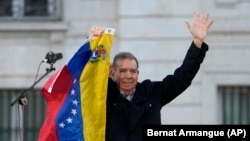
122	56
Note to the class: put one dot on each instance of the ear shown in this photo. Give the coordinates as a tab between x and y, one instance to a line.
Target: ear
110	67
111	72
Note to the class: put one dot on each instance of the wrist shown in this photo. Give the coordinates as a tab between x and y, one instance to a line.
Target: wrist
197	42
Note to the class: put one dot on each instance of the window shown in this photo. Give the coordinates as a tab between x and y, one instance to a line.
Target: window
235	104
13	118
30	9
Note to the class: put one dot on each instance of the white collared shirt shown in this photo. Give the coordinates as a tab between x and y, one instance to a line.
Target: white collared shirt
130	96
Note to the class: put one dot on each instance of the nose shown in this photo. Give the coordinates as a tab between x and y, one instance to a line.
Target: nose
128	74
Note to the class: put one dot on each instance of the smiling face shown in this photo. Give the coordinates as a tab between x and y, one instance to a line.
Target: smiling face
125	73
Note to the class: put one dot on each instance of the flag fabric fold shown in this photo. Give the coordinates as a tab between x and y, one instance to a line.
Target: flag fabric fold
76	94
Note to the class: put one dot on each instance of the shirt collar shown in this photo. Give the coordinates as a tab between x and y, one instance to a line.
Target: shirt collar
130	96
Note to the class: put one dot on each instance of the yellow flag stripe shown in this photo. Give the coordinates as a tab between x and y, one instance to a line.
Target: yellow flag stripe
93	84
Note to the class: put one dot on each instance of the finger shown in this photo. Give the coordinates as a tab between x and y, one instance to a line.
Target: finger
100	30
96	31
188	26
209	24
206	17
92	31
194	16
202	17
199	15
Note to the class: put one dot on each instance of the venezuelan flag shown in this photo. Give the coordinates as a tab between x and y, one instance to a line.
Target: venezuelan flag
76	94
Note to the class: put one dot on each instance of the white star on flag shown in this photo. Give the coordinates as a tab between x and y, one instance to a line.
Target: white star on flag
69	120
72	92
75	102
61	125
73	111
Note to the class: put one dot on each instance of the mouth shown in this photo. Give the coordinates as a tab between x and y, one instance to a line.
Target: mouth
127	84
